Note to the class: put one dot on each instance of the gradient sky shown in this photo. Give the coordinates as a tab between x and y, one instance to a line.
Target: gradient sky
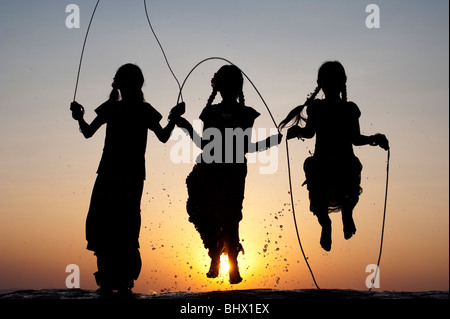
397	74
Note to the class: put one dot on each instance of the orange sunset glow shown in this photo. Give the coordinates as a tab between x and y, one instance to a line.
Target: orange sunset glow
397	75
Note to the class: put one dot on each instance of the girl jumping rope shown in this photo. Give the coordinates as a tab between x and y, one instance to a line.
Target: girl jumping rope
113	221
333	173
216	184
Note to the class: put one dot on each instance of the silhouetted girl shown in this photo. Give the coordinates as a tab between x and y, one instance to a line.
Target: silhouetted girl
333	174
114	220
216	184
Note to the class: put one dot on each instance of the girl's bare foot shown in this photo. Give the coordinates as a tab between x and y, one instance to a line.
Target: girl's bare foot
235	276
214	268
349	227
325	238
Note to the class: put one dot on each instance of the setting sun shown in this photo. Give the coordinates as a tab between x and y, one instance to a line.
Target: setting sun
224	266
397	75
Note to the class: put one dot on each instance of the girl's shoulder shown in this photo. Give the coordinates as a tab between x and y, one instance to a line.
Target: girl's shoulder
150	111
314	107
217	110
250	113
318	106
107	108
353	109
207	112
117	110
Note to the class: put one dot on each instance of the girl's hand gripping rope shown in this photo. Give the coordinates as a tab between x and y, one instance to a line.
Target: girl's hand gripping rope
280	138
380	140
293	132
177	111
182	123
77	110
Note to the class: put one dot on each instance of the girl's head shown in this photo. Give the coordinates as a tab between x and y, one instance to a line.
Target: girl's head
331	79
129	80
229	82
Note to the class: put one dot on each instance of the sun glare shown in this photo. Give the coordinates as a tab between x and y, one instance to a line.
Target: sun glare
224	266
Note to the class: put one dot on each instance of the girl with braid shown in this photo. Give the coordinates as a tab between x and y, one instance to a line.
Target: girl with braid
333	173
114	217
216	184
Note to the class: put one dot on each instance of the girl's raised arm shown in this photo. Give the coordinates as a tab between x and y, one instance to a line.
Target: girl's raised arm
184	124
265	144
88	130
163	134
374	140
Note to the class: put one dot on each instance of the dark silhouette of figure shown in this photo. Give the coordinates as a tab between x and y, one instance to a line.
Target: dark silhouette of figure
113	221
217	182
333	173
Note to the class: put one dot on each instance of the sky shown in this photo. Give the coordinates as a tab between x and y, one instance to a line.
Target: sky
398	75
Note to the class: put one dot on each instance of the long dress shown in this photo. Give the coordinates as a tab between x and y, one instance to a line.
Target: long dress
216	189
114	217
333	173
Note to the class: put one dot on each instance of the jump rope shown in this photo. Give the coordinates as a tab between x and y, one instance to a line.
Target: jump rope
180	97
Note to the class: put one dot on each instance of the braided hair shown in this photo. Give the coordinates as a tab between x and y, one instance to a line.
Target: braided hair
297	113
131	77
330	70
229	77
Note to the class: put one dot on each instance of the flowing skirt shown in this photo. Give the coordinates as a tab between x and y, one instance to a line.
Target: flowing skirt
333	183
112	229
216	193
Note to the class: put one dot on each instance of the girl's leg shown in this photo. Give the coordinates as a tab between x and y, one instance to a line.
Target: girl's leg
214	253
117	269
352	191
214	243
233	247
105	275
347	220
325	222
129	266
